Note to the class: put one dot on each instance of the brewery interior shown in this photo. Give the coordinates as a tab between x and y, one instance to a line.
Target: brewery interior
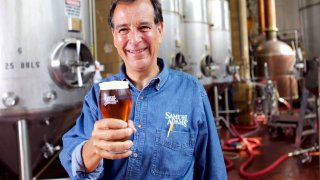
257	59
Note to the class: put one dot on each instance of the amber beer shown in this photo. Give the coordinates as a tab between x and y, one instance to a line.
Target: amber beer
115	100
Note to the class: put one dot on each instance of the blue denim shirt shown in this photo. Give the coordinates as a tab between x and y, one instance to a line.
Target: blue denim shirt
191	151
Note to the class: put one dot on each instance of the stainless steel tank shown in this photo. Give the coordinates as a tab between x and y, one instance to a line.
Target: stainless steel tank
220	37
170	49
309	17
197	40
46	68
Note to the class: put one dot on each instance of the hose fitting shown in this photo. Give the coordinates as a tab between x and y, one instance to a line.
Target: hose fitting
302	151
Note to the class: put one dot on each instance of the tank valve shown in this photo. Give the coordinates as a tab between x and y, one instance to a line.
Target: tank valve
49	150
72	64
208	66
9	99
232	69
179	62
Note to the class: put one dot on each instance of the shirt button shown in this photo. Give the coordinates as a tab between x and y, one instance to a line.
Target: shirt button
141	97
139	125
135	155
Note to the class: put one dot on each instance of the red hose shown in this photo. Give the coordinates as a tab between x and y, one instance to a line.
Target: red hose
250	144
229	164
229	148
245	174
285	102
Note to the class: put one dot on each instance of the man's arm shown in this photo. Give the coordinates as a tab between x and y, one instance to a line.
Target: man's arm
209	158
70	156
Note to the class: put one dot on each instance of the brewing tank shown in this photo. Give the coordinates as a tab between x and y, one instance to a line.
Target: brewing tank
170	49
274	59
197	40
46	68
220	39
309	16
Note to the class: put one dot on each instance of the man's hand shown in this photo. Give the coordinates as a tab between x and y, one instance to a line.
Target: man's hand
110	140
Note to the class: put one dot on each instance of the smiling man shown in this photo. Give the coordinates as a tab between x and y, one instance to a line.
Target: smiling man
172	133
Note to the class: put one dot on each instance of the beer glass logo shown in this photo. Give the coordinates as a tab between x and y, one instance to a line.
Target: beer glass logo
110	100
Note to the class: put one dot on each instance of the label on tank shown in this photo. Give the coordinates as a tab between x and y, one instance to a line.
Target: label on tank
20	65
72	8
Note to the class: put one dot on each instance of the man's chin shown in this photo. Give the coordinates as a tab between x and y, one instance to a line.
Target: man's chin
136	65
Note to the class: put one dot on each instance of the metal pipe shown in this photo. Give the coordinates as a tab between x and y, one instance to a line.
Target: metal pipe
226	102
240	47
262	21
24	151
271	23
216	103
93	28
309	5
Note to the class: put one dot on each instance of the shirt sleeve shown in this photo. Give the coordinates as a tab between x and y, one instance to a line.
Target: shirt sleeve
73	140
209	162
77	165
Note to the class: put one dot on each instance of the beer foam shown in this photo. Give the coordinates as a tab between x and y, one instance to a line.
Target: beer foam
114	85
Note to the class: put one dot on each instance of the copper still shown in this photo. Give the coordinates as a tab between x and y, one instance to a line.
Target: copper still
274	59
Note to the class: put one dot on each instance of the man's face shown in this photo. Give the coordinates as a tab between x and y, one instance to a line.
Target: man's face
136	36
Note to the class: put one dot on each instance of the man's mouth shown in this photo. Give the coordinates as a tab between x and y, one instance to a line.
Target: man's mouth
136	51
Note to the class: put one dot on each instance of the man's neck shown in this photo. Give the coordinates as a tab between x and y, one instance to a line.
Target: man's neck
142	79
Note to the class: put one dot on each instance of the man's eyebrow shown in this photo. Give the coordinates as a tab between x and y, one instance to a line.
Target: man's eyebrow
121	26
143	23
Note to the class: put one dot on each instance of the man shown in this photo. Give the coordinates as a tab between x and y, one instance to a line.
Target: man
173	135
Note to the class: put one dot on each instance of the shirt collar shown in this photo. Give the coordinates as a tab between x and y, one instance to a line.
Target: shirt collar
158	81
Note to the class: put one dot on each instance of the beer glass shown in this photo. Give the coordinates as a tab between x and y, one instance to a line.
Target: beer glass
115	100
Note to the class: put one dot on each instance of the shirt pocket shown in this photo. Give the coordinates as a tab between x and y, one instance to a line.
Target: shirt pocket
172	155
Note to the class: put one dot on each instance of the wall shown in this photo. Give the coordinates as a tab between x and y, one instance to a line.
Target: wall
106	52
287	14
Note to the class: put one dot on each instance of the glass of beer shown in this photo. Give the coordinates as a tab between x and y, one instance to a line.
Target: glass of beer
115	100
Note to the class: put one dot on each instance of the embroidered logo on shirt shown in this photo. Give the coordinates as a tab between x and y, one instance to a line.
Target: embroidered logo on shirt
110	100
176	119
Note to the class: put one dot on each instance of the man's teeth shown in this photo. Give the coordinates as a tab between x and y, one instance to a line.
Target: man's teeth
136	51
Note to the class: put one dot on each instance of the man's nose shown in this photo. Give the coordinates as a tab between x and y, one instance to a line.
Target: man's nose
135	36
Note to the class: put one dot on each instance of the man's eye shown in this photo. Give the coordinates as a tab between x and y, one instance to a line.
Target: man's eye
123	31
144	28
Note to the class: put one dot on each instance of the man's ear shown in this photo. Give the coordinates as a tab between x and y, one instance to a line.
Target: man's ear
113	35
160	30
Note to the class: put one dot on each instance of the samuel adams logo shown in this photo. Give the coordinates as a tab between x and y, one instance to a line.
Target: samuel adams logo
176	119
110	100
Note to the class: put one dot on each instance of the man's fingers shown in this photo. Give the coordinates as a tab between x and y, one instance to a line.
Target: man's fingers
112	134
110	123
131	125
115	155
116	146
113	150
118	134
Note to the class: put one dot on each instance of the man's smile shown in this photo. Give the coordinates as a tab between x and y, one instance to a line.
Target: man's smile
137	51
